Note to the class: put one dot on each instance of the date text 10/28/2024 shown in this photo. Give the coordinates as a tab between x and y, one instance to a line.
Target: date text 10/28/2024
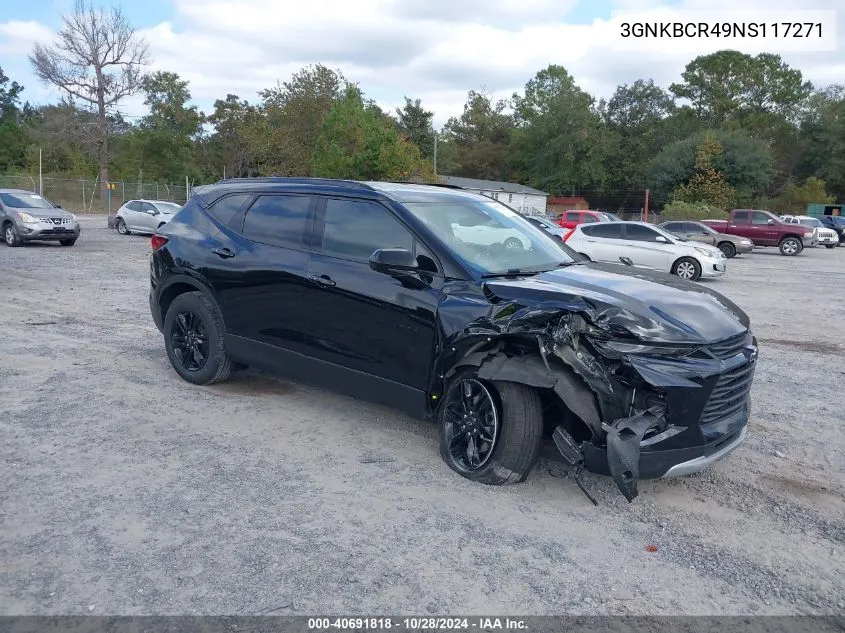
418	624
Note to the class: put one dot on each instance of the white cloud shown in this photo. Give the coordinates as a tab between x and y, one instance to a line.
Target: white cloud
435	50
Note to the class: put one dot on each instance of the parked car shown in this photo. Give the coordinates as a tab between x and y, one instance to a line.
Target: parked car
27	217
489	231
144	216
823	236
764	229
834	222
647	246
571	219
363	287
730	245
547	226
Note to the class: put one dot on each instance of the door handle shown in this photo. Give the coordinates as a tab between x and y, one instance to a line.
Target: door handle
323	280
223	252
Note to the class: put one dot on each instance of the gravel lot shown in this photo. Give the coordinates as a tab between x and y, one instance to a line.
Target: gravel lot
125	490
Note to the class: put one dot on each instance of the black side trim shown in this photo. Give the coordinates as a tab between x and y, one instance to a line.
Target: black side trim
321	373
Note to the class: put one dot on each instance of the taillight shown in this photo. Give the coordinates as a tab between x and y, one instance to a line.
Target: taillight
158	241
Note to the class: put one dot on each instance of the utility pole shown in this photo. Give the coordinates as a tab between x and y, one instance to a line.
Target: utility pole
435	152
40	178
646	205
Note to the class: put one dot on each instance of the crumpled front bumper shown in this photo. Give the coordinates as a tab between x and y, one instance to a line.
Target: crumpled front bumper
700	416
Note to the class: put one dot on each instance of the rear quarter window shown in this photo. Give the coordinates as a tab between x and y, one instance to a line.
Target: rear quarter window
224	210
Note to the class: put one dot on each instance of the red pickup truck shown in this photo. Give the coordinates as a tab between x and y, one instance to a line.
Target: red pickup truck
764	229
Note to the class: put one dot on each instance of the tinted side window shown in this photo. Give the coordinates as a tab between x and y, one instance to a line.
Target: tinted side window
134	206
760	218
225	209
607	231
692	227
277	220
675	227
356	228
639	233
572	216
741	217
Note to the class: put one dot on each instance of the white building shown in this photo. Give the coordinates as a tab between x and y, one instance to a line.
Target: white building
520	198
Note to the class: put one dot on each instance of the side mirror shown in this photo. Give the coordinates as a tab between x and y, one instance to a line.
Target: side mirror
386	260
661	239
626	260
771	221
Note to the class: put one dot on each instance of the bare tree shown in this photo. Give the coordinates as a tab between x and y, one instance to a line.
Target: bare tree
96	59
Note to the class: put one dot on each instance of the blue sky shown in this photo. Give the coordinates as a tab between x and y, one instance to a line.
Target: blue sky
436	50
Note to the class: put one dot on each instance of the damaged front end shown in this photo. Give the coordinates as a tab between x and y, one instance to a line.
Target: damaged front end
633	409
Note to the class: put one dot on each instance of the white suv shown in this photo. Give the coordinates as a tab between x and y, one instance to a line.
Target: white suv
647	246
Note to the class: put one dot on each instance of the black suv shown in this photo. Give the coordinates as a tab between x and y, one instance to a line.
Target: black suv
449	305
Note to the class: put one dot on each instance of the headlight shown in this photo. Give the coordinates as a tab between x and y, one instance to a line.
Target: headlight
705	252
745	242
25	217
615	348
810	234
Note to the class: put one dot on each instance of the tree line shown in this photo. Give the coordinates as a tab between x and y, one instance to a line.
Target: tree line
734	130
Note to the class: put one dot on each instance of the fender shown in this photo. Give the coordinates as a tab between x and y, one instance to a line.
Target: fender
163	294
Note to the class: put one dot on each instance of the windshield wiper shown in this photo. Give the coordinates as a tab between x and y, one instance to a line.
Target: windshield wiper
510	272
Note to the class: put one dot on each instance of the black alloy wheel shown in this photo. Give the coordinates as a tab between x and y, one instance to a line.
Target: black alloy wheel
189	340
471	424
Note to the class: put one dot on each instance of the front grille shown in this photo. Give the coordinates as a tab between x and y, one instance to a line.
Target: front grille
59	220
729	347
729	395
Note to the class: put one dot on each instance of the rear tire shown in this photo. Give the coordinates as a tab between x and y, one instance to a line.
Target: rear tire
519	430
120	225
687	268
830	245
513	243
790	246
67	242
194	318
728	249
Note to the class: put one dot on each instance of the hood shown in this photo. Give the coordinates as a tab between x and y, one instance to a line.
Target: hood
43	213
650	306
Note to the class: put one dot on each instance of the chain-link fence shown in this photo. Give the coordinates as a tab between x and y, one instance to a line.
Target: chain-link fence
84	196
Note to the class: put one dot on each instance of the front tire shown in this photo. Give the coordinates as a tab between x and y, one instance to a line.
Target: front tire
194	339
490	432
67	242
120	225
687	268
790	246
10	235
830	245
728	249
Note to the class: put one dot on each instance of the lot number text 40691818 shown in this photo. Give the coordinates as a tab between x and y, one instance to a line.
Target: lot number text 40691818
417	623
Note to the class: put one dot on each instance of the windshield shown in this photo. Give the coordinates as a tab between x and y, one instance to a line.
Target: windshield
706	228
810	222
490	237
24	201
168	207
